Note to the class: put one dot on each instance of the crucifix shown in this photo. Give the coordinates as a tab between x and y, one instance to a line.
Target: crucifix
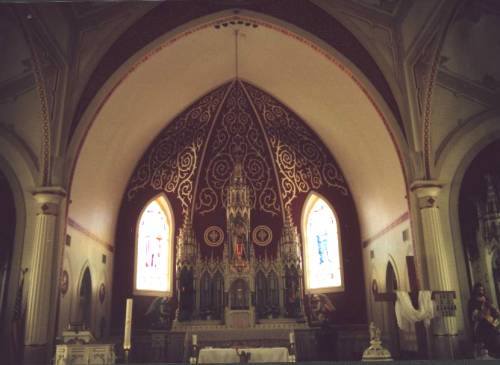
447	309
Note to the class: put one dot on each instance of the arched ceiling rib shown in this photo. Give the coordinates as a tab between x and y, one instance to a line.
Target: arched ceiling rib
171	16
305	77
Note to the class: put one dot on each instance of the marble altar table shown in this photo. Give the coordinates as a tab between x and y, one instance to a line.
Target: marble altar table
230	355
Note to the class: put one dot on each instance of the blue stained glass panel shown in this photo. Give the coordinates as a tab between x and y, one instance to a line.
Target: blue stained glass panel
323	253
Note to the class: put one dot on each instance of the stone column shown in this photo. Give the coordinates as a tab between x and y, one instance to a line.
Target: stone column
437	257
38	329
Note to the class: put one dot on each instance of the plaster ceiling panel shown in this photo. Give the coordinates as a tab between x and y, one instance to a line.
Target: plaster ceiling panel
294	71
15	59
103	32
23	117
85	9
472	49
88	55
416	19
58	25
453	111
386	6
377	36
146	100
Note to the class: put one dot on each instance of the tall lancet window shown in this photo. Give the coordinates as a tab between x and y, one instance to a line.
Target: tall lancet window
154	249
322	252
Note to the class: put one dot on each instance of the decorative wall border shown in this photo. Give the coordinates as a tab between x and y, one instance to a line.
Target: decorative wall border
402	218
26	20
77	226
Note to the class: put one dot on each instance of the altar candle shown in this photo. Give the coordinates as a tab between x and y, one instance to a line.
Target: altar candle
128	325
195	340
292	337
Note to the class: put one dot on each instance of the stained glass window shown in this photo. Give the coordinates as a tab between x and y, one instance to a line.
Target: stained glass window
322	249
154	250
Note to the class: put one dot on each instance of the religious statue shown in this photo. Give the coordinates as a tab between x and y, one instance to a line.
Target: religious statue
485	319
239	295
376	352
375	332
239	239
292	293
158	313
186	295
244	356
321	308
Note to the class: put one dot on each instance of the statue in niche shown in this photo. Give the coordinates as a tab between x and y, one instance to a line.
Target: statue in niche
159	313
239	295
217	289
292	293
321	309
186	295
239	236
320	314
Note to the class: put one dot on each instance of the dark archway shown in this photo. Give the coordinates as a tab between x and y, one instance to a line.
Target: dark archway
391	284
85	303
479	217
495	265
7	235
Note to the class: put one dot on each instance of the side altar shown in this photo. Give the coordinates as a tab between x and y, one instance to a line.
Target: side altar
239	290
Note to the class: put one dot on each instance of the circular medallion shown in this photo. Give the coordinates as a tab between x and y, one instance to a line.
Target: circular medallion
213	236
102	293
64	282
262	235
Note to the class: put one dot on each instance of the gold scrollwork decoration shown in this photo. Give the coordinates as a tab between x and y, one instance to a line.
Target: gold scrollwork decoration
237	136
171	162
303	163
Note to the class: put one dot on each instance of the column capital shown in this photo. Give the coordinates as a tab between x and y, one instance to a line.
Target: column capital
48	194
49	199
426	188
427	192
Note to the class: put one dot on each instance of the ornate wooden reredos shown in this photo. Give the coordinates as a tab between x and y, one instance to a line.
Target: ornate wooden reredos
236	168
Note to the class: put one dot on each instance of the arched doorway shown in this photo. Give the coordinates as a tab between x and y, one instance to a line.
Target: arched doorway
392	334
479	214
85	299
7	235
495	265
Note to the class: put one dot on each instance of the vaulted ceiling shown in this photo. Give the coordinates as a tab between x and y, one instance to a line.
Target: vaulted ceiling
117	73
316	82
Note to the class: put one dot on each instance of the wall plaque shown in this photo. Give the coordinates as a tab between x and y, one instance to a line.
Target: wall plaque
262	235
213	236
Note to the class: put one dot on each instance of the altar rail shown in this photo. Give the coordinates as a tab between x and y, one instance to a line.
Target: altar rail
396	362
314	344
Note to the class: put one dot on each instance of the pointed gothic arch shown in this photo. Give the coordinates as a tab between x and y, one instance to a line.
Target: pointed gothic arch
391	285
84	295
322	249
153	264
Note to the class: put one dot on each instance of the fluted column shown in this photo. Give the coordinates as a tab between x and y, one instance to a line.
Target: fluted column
439	267
48	201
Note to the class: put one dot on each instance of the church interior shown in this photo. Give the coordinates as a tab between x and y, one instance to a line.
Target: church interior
280	181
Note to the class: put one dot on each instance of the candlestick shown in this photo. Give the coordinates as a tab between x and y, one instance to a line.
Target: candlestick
128	325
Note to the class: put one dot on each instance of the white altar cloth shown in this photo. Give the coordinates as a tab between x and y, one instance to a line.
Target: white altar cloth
85	354
226	356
